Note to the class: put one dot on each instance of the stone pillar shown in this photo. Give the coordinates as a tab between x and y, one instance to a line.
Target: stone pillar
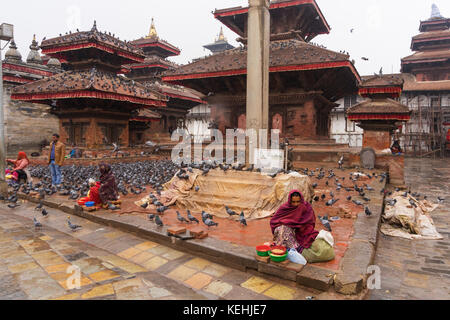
258	35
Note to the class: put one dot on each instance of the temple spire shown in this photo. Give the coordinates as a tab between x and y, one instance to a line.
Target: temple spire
221	35
34	57
94	27
435	13
153	32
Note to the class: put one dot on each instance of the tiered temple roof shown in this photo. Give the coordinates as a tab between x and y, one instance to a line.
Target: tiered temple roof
149	71
286	56
94	58
432	46
221	44
303	16
377	106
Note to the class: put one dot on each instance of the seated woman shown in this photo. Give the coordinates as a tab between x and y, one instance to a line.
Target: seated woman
20	166
108	191
396	148
293	227
93	193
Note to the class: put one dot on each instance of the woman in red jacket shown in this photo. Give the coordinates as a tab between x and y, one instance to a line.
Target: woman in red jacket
20	165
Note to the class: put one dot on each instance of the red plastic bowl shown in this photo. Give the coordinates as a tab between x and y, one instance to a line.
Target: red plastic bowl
283	249
262	248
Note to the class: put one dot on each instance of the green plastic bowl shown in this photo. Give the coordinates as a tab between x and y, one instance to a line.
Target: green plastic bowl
278	258
263	251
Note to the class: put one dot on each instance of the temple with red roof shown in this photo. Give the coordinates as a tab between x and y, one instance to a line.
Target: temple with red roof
93	103
305	79
148	72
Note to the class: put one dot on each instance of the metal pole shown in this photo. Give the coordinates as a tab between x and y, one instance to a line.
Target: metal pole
3	185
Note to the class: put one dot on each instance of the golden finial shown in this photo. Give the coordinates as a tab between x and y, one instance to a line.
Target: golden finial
153	32
221	35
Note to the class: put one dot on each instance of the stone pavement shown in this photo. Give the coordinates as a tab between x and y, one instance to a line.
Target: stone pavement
114	265
419	269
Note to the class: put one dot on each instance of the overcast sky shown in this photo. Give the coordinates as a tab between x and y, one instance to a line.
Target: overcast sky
382	28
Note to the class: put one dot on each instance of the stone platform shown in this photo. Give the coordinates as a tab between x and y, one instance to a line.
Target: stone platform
234	245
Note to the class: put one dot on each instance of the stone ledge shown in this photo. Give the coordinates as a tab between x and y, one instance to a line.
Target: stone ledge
277	270
359	256
315	278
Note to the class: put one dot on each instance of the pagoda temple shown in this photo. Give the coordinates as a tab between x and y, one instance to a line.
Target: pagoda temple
305	79
431	60
148	72
220	45
33	118
93	103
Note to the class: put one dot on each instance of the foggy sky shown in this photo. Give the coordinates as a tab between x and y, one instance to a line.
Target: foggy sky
382	28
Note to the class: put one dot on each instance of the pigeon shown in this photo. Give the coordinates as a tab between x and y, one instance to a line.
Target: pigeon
191	217
367	212
112	207
39	206
206	215
349	198
323	196
151	217
210	223
316	198
340	162
391	202
325	223
162	209
366	199
145	205
37	224
197	189
242	219
158	221
73	227
13	206
230	212
331	202
44	213
181	218
411	202
357	202
440	199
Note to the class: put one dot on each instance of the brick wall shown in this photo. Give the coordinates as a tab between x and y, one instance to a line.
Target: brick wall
377	140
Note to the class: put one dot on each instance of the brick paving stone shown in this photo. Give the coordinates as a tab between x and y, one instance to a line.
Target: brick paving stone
100	291
103	275
257	284
156	292
182	273
218	288
127	254
198	281
198	263
154	263
280	292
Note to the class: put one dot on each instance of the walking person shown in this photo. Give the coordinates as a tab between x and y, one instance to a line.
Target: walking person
56	159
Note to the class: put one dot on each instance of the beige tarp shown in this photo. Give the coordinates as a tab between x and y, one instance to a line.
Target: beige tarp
258	195
405	221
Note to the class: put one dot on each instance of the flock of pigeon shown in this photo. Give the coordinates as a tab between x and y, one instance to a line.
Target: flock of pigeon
134	177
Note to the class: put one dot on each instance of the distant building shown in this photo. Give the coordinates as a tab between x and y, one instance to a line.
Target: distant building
221	44
426	91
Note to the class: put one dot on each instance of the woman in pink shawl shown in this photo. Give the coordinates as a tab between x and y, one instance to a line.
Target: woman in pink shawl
294	222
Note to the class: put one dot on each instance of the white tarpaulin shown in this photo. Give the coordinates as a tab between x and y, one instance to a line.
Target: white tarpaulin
407	221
